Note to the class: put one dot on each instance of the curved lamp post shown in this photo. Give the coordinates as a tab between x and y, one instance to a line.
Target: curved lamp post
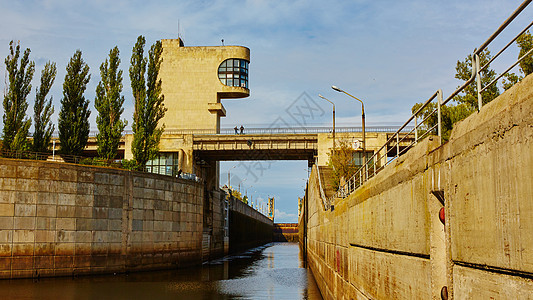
333	119
229	186
363	122
240	184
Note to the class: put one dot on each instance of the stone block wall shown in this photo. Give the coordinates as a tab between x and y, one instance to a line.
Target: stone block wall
385	241
60	219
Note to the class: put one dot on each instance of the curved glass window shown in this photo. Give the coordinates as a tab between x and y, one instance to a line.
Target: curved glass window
234	72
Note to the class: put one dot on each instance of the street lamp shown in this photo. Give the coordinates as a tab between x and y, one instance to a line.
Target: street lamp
333	119
229	185
240	184
363	117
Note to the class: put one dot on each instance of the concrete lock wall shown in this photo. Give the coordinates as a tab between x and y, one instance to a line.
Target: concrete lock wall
286	232
60	219
247	227
385	241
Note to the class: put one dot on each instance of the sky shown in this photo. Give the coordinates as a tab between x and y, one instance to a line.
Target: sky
390	54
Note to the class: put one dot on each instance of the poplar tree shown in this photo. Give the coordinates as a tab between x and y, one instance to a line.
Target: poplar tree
43	110
108	103
74	114
16	125
149	106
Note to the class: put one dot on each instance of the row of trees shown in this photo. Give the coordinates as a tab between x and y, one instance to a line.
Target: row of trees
73	122
465	103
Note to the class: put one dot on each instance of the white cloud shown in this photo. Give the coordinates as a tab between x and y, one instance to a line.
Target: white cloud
284	217
391	54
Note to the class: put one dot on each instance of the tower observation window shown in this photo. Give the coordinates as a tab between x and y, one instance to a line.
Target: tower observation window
234	72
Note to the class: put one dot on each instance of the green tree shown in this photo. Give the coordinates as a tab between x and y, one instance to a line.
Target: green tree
74	114
509	80
469	95
149	106
342	163
16	124
450	114
525	43
465	103
43	110
236	194
108	103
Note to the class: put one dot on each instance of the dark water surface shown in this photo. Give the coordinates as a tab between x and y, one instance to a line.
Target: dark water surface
274	271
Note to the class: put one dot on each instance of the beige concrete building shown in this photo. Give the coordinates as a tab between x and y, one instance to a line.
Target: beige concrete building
196	79
194	82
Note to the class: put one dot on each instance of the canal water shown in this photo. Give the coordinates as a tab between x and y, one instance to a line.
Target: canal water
273	271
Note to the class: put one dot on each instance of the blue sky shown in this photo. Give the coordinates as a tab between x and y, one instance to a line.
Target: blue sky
391	54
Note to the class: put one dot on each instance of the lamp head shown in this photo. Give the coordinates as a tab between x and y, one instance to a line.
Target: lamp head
337	89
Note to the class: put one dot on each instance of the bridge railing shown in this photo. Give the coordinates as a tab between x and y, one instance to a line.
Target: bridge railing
284	130
264	130
427	118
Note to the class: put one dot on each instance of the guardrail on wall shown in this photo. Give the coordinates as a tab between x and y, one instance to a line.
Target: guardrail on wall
423	124
89	161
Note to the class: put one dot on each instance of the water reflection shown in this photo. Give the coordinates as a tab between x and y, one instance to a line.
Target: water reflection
274	271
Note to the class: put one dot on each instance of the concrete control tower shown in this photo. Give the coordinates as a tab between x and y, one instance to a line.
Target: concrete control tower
194	81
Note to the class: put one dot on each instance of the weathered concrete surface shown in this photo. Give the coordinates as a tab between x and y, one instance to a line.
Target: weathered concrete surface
385	241
471	283
490	186
60	219
247	227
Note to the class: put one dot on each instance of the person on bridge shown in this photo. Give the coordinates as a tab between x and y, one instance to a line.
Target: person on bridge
242	129
236	130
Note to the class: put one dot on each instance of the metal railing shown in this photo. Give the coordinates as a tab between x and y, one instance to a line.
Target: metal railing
285	130
427	119
325	201
260	130
83	160
43	156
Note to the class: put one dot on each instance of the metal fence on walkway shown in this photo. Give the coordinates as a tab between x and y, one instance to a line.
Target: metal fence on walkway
83	160
284	130
427	120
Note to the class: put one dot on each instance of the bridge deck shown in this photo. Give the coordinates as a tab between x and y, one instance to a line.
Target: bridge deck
256	147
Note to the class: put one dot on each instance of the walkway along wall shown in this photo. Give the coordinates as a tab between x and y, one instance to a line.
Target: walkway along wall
247	227
60	219
385	241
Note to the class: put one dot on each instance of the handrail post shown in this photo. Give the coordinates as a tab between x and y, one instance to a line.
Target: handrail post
439	103
397	144
416	129
366	169
478	79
